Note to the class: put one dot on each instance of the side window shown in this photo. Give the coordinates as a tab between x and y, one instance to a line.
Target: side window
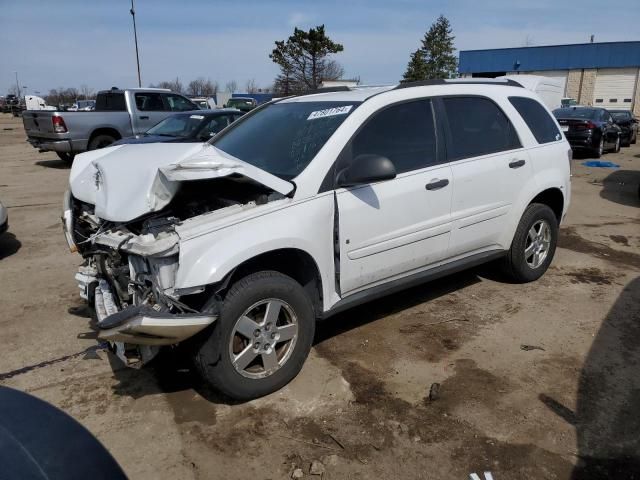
537	119
177	103
149	102
404	133
477	126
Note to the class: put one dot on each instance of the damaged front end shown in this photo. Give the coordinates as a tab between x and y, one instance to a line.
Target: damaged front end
128	277
122	214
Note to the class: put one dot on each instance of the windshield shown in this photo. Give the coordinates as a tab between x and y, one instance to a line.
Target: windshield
182	125
575	113
283	138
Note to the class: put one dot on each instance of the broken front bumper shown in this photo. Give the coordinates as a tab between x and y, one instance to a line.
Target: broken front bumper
142	325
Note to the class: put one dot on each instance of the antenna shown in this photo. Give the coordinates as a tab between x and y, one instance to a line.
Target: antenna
135	37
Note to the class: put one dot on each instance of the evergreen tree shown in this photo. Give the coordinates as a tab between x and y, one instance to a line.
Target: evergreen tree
304	60
417	68
436	57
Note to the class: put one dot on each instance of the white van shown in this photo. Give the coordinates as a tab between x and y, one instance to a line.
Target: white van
550	90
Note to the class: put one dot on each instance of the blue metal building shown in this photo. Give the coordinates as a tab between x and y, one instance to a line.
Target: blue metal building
603	74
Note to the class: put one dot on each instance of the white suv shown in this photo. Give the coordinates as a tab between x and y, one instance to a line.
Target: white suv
305	207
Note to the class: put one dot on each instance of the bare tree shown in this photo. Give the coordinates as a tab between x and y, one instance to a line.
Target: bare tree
251	86
87	92
195	86
173	85
210	88
13	90
332	71
231	86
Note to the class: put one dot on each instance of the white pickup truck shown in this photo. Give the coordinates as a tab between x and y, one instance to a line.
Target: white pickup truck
118	114
307	206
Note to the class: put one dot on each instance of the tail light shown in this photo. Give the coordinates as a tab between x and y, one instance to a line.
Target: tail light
585	126
58	124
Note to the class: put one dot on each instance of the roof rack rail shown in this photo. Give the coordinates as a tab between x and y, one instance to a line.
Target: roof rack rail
459	81
341	88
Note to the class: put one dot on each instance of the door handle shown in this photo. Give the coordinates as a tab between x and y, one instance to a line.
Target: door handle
437	184
516	163
144	117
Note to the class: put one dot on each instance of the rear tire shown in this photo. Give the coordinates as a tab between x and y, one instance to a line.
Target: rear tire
101	141
220	358
66	157
599	150
537	234
616	147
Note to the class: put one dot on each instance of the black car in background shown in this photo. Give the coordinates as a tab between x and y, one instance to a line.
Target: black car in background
590	129
192	126
628	124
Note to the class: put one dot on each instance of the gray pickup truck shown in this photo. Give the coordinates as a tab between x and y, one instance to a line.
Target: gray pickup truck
118	114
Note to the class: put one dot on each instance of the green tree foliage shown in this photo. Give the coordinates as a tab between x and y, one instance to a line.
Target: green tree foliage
436	57
417	68
304	61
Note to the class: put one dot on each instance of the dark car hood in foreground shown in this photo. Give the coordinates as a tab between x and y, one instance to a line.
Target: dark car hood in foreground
154	139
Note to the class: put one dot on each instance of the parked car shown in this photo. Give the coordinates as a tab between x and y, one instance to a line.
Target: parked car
628	124
4	219
245	104
83	106
204	103
118	114
194	126
308	206
590	129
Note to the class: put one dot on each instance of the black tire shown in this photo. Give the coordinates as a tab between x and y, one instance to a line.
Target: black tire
66	157
101	141
515	264
616	148
212	357
599	149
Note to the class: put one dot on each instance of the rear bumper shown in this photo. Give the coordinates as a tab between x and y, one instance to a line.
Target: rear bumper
142	325
582	141
61	146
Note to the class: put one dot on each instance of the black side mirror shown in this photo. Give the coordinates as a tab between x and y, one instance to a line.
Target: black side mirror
367	168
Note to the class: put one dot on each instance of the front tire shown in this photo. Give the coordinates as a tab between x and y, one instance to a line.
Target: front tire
261	339
533	245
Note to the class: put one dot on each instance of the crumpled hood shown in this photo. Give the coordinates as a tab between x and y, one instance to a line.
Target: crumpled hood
127	181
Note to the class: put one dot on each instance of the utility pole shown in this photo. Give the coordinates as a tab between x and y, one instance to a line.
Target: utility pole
18	86
135	37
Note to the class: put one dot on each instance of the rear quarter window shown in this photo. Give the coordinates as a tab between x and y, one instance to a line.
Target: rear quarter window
540	123
477	126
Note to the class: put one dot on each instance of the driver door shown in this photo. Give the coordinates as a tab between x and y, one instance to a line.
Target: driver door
392	228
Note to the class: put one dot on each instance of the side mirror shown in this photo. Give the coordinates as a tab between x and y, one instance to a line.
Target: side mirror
365	169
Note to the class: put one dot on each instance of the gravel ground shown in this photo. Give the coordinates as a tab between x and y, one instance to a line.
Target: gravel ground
535	381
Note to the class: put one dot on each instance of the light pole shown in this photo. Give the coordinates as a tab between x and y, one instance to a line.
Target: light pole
135	37
18	85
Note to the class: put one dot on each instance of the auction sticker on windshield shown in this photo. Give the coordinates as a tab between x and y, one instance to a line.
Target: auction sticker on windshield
197	117
330	112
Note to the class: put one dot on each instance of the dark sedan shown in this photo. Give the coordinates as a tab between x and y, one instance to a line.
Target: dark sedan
193	126
628	124
590	129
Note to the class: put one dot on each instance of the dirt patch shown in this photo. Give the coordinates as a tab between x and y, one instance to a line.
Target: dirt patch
621	239
590	276
570	240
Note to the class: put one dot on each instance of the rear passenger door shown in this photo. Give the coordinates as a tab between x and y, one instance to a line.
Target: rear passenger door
150	110
489	168
393	228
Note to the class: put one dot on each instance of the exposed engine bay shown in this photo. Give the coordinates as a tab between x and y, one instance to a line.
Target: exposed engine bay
130	267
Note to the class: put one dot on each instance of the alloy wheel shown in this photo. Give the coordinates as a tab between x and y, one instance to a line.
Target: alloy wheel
263	338
537	244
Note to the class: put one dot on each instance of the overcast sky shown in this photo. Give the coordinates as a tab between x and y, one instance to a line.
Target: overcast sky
73	42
